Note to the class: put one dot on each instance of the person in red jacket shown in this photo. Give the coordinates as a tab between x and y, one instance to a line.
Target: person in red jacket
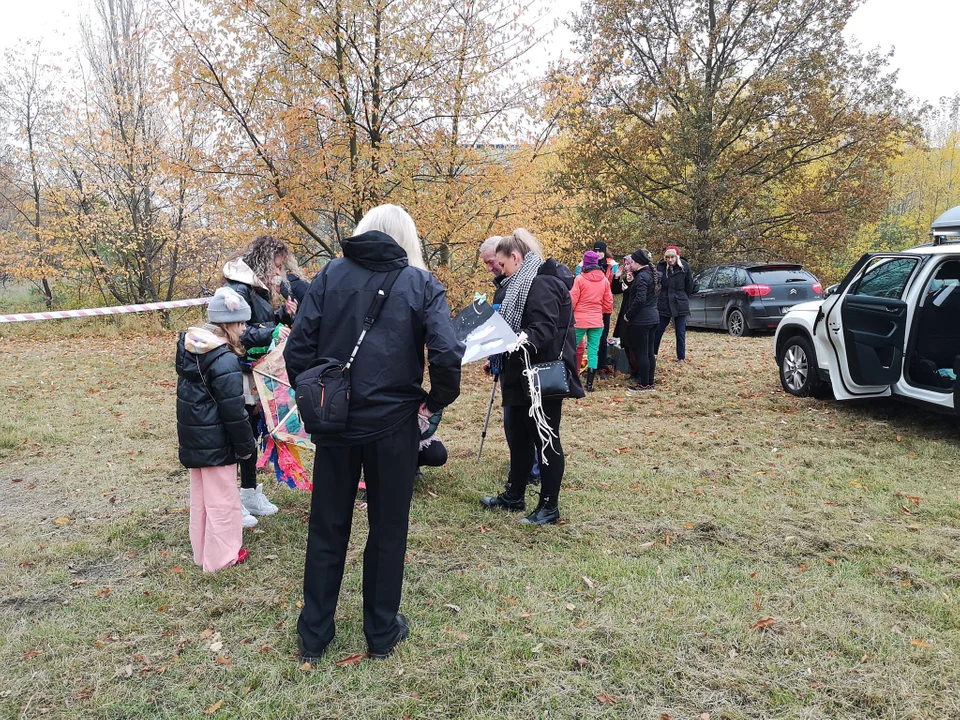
592	299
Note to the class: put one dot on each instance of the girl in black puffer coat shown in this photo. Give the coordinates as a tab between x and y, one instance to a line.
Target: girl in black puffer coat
213	430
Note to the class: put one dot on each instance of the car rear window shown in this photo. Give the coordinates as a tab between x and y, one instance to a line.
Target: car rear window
778	276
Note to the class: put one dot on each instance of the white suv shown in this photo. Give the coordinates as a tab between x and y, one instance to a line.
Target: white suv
892	327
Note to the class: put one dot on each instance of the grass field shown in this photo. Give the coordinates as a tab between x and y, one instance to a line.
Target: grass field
727	551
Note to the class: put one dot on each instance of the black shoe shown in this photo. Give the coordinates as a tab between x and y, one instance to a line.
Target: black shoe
504	501
309	656
543	515
590	376
401	636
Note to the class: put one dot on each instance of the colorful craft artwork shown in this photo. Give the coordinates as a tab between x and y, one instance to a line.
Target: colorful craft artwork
284	435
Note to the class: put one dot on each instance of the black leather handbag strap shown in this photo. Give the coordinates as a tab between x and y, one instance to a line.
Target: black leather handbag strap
375	307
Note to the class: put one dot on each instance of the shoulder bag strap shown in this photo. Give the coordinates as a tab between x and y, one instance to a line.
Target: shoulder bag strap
375	307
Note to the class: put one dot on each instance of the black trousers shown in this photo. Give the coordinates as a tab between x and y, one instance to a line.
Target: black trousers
643	339
248	467
433	455
389	465
604	336
523	441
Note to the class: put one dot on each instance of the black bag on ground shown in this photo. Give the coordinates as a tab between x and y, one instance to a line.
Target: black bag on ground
323	391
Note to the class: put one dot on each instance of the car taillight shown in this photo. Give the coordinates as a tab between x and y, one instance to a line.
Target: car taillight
756	290
817	289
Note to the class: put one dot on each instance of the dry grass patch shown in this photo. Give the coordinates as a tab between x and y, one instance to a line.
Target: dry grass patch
693	517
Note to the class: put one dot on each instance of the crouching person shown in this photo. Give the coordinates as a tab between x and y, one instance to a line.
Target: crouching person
382	433
213	429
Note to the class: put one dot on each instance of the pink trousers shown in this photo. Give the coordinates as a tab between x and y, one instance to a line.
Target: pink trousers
216	530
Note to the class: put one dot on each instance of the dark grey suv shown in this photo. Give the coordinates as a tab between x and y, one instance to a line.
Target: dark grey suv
741	297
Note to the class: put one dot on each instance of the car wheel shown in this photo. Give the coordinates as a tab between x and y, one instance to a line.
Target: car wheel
798	369
737	324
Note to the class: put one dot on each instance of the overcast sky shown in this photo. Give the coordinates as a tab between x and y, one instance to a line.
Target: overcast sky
918	30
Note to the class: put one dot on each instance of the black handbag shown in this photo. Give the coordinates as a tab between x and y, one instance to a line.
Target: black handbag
552	378
323	391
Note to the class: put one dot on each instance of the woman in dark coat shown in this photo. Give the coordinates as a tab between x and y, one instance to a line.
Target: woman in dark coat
383	432
642	317
674	299
620	285
536	303
256	276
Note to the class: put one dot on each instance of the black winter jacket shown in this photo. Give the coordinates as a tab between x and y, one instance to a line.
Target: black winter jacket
295	287
387	375
677	288
642	310
212	424
617	286
548	321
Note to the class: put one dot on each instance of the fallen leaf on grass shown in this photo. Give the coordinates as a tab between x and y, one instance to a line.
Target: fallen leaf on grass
764	624
455	608
664	716
103	592
571	607
588	581
213	708
582	663
206	633
603	699
352	659
920	643
30	655
537	648
914	499
214	647
78	581
704	716
307	667
16	480
221	660
61	521
178	570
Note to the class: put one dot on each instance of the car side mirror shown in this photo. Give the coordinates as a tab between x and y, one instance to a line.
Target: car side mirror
832	290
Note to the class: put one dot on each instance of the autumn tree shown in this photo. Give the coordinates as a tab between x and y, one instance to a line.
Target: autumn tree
29	109
744	126
326	109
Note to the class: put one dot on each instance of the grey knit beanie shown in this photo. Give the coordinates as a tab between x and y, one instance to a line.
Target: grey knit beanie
227	306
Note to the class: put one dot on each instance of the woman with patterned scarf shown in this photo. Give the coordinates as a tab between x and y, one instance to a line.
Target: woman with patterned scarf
537	304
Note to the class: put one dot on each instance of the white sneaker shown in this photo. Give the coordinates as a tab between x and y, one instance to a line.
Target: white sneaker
248	520
256	502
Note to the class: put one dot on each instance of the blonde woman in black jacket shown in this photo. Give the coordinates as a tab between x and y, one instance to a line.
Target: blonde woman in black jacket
536	302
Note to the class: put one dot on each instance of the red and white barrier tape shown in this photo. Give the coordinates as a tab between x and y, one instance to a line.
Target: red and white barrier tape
93	312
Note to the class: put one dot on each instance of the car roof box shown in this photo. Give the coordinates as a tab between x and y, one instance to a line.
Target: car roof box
946	227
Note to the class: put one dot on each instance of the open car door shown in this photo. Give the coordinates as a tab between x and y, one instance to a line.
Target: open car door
867	325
